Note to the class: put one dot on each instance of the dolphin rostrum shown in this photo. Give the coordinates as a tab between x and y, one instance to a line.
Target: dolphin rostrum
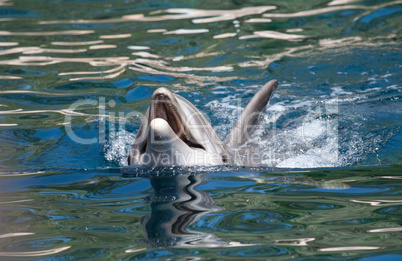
175	133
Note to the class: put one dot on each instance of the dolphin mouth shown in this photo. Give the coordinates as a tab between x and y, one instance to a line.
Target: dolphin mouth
165	106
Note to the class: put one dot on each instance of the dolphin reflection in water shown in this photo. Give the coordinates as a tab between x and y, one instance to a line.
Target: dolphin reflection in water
183	215
176	205
175	133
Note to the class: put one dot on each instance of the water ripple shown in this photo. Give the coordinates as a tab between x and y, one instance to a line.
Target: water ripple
35	253
178	14
68	32
258	251
258	221
348	248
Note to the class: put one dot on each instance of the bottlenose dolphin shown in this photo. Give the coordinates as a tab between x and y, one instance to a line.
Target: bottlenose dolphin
175	133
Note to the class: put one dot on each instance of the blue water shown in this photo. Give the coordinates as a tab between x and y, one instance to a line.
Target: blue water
77	76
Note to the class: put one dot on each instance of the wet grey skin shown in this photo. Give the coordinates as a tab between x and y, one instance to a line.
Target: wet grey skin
175	133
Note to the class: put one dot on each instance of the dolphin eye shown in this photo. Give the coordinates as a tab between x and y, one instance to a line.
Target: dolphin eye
225	158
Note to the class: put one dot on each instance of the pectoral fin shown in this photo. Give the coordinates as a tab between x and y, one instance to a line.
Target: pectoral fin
248	120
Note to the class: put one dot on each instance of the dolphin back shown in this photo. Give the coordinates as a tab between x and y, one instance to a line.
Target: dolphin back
249	118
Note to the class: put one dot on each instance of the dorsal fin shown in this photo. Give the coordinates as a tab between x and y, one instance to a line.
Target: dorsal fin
248	120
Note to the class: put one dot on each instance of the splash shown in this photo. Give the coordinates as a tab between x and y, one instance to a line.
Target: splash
307	133
309	141
118	146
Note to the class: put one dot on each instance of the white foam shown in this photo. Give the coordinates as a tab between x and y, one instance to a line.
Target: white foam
274	112
308	141
323	155
118	146
311	143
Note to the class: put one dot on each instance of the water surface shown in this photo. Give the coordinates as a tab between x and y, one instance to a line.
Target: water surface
76	77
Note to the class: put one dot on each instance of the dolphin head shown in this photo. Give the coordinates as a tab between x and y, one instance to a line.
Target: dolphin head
174	132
